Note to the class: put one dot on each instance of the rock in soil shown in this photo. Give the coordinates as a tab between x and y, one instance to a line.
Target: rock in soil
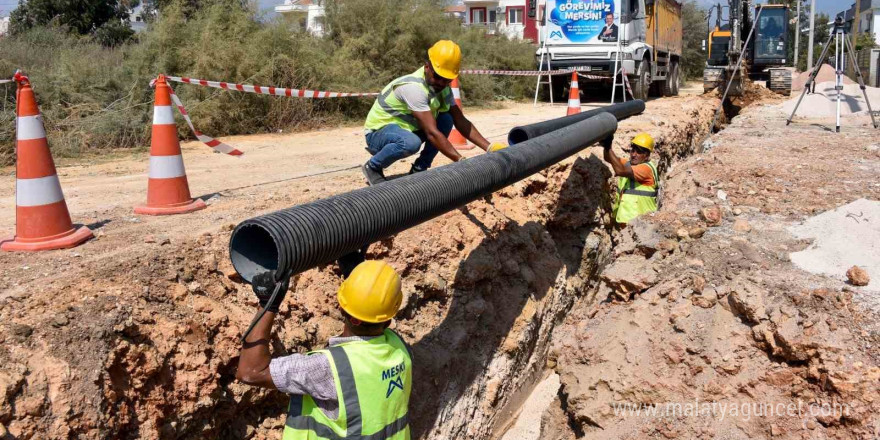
858	276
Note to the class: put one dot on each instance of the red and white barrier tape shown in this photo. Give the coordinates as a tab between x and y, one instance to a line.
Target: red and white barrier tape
263	90
626	82
516	72
216	144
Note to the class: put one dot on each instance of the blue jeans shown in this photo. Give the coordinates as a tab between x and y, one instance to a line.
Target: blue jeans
392	143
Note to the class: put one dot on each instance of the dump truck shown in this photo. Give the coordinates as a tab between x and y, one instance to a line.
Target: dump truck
765	55
641	37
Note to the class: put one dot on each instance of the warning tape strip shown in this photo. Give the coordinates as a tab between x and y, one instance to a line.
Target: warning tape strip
263	90
516	72
528	72
4	81
216	144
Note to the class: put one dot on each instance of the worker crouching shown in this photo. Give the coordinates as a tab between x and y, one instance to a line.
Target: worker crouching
638	181
415	109
359	387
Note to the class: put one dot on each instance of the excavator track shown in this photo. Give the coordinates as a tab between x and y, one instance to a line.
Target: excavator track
780	81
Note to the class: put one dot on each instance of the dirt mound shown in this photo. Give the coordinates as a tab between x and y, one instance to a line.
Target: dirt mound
823	103
142	341
826	74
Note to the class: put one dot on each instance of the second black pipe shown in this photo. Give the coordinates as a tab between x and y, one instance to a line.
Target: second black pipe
620	111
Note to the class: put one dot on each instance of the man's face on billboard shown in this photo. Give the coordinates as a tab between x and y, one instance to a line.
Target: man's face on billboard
609	19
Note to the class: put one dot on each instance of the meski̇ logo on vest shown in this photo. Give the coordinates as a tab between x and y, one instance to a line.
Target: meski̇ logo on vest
581	20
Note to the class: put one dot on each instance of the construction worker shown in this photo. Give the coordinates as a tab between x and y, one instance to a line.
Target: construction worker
419	108
359	386
638	180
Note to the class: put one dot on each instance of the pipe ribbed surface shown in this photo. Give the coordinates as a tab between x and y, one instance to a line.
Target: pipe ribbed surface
620	111
320	232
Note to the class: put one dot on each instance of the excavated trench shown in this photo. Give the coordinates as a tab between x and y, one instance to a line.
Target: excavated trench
486	286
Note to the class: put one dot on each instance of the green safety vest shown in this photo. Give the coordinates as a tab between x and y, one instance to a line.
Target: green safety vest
373	383
635	199
389	110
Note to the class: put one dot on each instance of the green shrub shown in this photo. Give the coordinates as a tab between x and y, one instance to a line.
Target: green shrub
95	98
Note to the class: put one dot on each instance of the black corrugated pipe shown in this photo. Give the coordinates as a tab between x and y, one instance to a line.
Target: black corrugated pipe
320	232
620	111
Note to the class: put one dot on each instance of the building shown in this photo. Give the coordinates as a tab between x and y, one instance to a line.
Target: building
868	16
137	18
502	17
306	14
869	23
4	25
456	11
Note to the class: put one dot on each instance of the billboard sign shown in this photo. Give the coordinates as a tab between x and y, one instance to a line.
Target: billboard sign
582	21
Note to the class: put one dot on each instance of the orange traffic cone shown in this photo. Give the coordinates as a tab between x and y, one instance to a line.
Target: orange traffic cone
455	138
574	96
167	189
42	219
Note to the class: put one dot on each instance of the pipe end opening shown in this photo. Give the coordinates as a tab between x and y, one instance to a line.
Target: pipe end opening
517	136
252	251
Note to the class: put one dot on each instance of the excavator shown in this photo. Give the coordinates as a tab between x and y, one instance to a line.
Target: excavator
765	55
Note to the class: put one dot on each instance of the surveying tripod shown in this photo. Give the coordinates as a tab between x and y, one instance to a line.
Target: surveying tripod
841	45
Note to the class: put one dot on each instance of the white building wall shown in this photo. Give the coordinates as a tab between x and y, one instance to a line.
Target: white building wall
4	25
315	20
500	24
875	26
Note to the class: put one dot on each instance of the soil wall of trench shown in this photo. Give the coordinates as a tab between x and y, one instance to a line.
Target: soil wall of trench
147	347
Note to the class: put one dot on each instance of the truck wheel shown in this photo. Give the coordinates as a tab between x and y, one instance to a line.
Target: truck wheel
639	83
670	86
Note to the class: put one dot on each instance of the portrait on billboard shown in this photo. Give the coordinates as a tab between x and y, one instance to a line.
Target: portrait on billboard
609	32
583	21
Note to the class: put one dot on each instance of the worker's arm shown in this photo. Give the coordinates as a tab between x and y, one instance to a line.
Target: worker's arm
254	359
467	129
429	126
620	169
253	362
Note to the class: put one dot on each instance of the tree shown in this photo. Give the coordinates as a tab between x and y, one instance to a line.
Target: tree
84	17
865	40
693	19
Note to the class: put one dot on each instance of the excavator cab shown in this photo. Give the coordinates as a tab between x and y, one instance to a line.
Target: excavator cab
719	44
771	39
769	52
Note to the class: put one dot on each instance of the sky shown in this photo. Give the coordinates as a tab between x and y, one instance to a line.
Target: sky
830	7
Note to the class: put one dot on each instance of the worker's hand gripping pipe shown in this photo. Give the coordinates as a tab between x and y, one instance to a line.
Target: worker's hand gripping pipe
620	111
302	237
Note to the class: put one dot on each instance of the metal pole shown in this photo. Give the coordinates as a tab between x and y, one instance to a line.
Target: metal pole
797	34
857	20
838	67
812	32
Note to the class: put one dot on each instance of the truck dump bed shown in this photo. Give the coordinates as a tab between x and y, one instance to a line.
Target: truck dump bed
664	31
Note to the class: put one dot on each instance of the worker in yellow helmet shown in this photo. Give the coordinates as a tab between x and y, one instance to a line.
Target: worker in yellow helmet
359	387
415	109
638	181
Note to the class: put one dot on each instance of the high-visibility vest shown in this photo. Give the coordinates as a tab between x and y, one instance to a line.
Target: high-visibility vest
389	110
373	383
635	199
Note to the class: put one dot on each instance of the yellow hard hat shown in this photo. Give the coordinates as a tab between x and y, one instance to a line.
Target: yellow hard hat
644	140
371	293
445	57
